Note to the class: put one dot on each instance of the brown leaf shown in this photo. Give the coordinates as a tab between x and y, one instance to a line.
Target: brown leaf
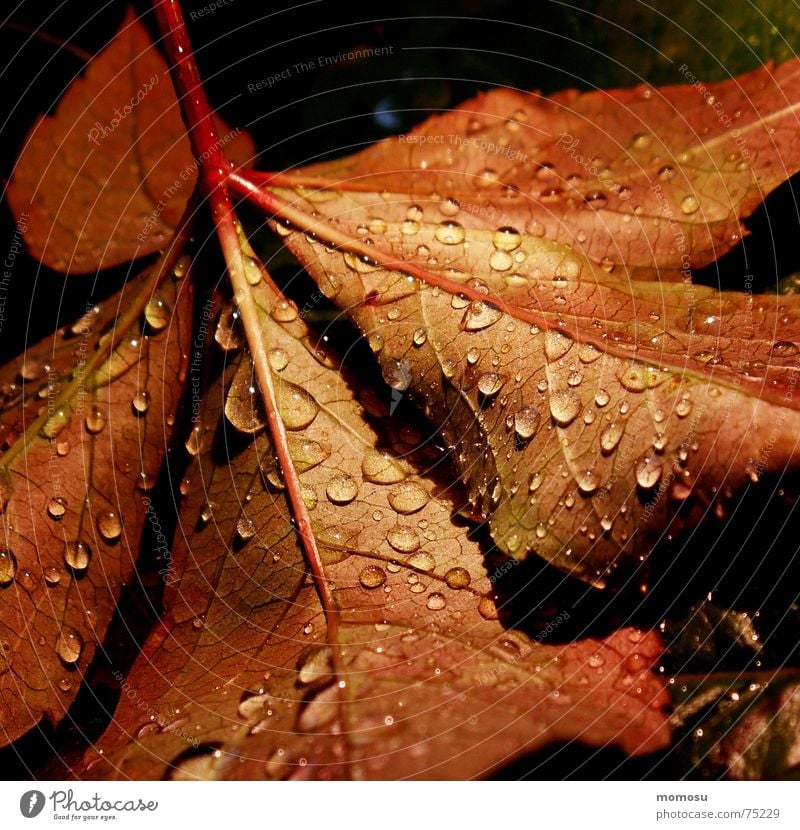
84	432
638	179
414	676
107	177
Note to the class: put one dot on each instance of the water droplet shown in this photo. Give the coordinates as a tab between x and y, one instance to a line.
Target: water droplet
8	566
77	555
648	470
419	337
666	173
342	489
450	233
480	315
457	578
683	407
690	204
526	422
596	199
506	239
490	383
556	345
500	261
157	313
375	342
784	348
194	441
52	576
408	498
284	312
56	507
488	609
565	406
318	665
380	468
297	407
596	660
611	435
372	576
245	528
403	539
55	423
588	481
109	525
95	420
601	397
278	360
69	645
141	402
436	602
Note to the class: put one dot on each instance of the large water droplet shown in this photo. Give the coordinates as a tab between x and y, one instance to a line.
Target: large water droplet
109	525
506	239
141	402
556	345
611	435
480	315
690	204
408	498
648	470
450	233
69	645
565	406
403	539
588	481
490	383
457	578
95	420
526	422
380	468
297	407
372	576
436	601
157	313
8	566
342	489
77	555
229	333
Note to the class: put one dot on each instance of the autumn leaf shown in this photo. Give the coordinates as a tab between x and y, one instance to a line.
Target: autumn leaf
639	179
583	408
85	422
414	675
107	177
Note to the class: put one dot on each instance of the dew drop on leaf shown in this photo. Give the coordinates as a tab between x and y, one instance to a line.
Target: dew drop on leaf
341	489
109	525
157	313
372	576
56	507
408	498
690	204
8	566
457	578
381	468
588	481
69	645
526	422
480	315
450	233
297	407
95	420
565	406
77	555
141	402
403	539
648	470
436	601
610	436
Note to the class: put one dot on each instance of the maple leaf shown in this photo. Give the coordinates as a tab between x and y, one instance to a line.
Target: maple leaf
107	177
85	420
412	674
584	409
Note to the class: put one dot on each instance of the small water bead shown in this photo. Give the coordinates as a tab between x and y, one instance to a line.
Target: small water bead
77	555
52	576
535	483
457	578
506	239
56	507
596	199
403	539
407	498
157	313
473	356
245	528
589	353
648	470
480	315
556	345
95	420
588	481
641	141
409	227
436	602
541	531
194	441
419	337
611	435
449	368
565	406
372	576
375	342
109	525
500	261
278	360
449	207
55	423
141	402
305	452
62	449
284	312
683	407
8	566
784	348
380	468
309	496
69	645
376	224
297	407
422	562
527	422
490	383
690	204
342	489
450	233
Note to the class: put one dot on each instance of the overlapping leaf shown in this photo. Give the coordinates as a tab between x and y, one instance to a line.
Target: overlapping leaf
414	676
642	179
84	431
107	177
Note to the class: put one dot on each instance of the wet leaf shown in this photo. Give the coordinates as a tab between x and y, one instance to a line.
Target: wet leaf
592	416
107	177
640	180
414	675
84	430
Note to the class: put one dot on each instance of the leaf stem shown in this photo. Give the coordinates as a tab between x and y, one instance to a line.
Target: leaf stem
214	177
